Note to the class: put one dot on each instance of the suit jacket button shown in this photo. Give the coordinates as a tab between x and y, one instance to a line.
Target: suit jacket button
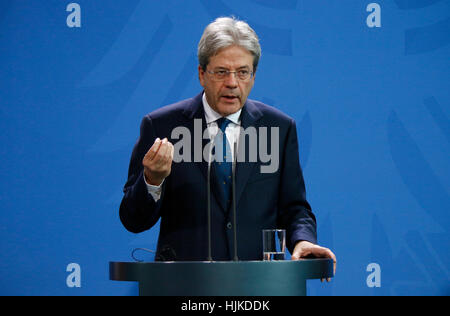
229	225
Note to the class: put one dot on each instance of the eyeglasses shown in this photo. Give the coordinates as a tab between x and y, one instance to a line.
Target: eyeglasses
221	75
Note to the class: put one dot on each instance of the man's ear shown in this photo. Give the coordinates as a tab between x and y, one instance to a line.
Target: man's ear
201	76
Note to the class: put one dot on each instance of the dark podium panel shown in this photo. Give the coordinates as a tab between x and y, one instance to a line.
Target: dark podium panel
222	278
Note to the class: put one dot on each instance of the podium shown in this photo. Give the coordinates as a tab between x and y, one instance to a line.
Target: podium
222	278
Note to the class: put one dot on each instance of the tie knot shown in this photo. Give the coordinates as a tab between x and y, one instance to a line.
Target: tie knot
223	123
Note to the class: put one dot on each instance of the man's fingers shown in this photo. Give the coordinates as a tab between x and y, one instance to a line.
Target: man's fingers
171	151
301	253
298	254
327	253
157	161
165	154
315	251
168	153
304	249
322	252
153	150
159	156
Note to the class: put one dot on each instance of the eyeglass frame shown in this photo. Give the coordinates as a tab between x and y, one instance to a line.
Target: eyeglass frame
228	72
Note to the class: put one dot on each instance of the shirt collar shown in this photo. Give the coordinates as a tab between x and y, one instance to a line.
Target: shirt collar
211	115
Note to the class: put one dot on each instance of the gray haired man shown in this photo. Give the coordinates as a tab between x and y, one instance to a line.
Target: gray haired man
158	188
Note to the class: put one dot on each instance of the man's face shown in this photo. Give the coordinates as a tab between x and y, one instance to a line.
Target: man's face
228	96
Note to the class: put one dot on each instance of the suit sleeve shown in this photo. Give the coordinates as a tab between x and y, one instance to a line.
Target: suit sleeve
295	213
138	210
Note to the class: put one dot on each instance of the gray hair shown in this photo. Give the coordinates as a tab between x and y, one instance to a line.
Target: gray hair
224	32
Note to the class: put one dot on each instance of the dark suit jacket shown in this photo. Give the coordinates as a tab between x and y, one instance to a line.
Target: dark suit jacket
263	200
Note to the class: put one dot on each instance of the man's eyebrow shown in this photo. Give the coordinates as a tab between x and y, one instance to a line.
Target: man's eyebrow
225	68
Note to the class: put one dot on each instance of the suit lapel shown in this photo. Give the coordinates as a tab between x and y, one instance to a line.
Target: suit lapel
249	118
195	113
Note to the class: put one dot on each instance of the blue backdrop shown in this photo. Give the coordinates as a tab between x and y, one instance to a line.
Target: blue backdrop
367	82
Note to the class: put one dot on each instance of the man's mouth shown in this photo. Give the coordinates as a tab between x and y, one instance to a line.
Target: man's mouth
230	97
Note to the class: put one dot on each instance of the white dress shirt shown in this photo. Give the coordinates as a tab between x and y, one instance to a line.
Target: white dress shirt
232	132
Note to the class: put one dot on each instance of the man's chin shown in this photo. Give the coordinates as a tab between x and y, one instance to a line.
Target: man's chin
226	109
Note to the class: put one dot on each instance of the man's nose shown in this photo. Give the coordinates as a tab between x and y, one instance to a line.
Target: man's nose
231	80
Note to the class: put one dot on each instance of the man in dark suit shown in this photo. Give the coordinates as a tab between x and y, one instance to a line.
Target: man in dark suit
169	181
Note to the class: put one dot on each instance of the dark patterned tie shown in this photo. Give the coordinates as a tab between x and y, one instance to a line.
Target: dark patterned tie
223	167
